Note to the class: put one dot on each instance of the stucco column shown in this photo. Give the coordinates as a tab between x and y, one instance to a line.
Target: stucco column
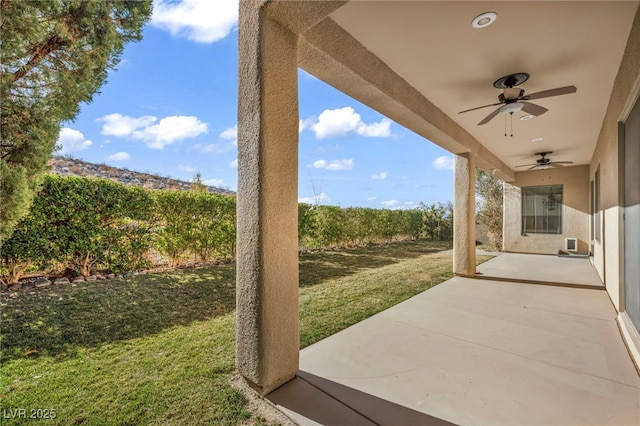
464	216
267	339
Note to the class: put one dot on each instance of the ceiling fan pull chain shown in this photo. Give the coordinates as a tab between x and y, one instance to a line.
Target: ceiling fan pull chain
505	125
511	124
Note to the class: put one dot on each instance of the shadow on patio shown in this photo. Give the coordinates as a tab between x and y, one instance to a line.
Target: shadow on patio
475	351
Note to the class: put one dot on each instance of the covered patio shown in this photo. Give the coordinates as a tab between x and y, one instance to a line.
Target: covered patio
538	340
472	351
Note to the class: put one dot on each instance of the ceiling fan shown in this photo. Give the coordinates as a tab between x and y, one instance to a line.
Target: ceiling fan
513	99
543	161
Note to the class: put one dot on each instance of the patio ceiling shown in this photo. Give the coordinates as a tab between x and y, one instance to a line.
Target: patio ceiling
434	48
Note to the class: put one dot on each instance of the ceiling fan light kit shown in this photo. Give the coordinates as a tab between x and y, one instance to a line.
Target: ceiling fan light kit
511	108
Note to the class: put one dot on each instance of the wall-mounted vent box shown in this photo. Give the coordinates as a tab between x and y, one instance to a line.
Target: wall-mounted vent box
571	244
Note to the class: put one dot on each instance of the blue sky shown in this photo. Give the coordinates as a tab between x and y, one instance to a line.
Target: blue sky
170	109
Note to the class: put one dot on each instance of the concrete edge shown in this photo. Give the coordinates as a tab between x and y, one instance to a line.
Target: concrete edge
259	405
535	282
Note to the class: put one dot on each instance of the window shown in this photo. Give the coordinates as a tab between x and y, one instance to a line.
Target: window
592	212
542	209
596	205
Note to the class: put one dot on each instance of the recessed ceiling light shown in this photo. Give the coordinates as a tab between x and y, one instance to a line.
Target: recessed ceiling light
537	139
484	20
526	117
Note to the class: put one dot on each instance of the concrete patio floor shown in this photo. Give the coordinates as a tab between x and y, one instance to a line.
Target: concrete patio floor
539	268
472	351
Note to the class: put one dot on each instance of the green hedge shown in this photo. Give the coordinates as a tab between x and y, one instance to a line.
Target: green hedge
195	223
330	226
81	223
86	224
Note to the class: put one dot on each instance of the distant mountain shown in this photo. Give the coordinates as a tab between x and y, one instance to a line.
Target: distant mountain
71	167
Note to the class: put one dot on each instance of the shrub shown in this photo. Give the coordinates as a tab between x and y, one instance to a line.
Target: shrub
194	222
29	245
83	222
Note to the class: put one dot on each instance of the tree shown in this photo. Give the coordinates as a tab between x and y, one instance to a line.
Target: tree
55	55
437	221
489	207
197	185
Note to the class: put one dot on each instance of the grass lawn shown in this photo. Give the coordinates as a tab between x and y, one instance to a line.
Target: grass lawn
159	348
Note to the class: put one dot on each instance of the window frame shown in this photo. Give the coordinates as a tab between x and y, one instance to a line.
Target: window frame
552	188
596	204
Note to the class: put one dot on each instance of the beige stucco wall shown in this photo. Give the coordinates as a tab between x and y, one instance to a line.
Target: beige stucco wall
607	252
575	210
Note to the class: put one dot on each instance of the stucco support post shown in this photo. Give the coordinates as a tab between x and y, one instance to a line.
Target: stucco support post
267	339
464	216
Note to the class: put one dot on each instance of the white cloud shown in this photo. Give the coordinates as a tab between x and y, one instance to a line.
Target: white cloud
122	126
213	182
230	134
118	156
155	135
381	129
306	123
333	123
390	203
233	164
202	21
379	176
409	204
443	163
171	129
185	168
372	199
346	164
318	199
71	140
336	123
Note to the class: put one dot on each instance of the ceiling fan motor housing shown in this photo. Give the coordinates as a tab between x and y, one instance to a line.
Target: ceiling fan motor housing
511	80
510	95
544	160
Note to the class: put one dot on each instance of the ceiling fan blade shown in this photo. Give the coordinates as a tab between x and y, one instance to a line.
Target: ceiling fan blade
489	117
561	162
527	165
531	168
533	109
552	92
480	107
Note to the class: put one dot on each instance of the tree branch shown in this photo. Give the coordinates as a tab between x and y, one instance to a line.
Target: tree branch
55	43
